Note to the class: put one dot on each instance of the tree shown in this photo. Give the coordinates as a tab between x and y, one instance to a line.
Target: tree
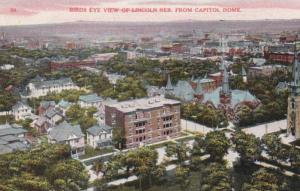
199	144
75	112
68	175
215	177
272	144
262	180
247	145
216	145
182	174
118	137
294	157
98	166
179	150
143	163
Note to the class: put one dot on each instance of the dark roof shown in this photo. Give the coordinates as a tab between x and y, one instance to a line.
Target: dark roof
98	129
7	129
64	131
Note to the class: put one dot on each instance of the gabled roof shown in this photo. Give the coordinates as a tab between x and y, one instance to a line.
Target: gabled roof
51	83
184	90
47	104
64	104
50	113
64	131
90	98
237	96
8	129
99	129
20	104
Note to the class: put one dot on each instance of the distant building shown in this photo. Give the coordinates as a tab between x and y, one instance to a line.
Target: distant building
146	120
41	87
99	136
103	57
265	71
65	65
257	61
12	138
64	133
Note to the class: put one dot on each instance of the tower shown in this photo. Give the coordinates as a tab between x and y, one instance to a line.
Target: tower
225	93
169	86
293	117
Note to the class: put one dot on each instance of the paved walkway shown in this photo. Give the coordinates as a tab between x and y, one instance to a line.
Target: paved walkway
261	130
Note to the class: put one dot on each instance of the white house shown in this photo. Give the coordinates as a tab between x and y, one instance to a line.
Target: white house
41	87
64	133
7	67
21	111
99	136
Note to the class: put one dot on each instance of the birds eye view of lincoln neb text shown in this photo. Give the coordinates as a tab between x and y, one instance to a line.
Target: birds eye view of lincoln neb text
150	95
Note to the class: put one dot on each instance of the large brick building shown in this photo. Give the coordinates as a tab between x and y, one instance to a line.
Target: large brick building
146	120
56	66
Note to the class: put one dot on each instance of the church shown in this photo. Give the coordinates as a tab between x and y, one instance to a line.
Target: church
217	97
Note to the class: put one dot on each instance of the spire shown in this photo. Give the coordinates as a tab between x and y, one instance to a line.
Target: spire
169	83
199	89
225	84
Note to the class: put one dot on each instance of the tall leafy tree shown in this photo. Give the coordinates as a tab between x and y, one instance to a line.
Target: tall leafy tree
247	145
215	177
262	180
217	145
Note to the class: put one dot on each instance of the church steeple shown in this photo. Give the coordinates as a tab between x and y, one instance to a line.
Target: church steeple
169	86
225	83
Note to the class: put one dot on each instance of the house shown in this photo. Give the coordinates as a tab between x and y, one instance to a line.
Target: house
91	100
53	115
12	138
44	106
145	120
21	111
99	136
40	87
64	133
42	125
63	106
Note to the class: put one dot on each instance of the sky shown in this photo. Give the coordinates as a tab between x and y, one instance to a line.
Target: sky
24	12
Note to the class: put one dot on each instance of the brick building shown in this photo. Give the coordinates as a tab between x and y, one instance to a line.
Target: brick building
56	66
146	120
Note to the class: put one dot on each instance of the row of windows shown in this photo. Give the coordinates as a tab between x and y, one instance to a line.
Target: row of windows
139	124
168	132
167	125
140	139
168	118
139	131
